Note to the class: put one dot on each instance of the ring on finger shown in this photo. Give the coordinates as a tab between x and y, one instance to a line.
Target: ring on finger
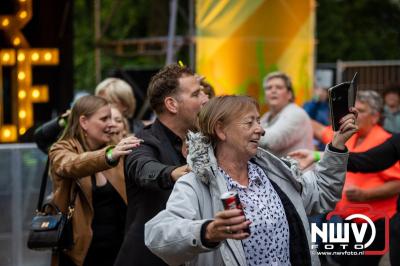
228	230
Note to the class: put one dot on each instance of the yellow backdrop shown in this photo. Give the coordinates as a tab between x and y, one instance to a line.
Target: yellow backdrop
239	42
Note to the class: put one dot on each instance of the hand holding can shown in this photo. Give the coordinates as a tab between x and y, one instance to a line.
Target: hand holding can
231	201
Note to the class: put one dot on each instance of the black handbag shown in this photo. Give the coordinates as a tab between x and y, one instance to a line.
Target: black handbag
50	228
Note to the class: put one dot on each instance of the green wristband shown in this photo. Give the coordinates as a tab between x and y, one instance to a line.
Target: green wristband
109	157
317	156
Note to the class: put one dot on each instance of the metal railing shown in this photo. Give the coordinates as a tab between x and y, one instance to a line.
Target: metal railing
21	167
373	75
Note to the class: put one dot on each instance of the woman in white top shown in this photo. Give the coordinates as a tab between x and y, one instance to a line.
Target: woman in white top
287	126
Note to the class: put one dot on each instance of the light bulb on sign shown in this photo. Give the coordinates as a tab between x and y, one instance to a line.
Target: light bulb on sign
6	57
22	94
17	41
22	130
35	93
23	14
47	56
21	75
21	57
5	22
6	133
22	114
35	57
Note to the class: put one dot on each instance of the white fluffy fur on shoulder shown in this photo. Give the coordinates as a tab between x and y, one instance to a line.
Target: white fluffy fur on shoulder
200	156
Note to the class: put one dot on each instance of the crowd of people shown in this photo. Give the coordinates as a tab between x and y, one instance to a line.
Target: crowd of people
149	193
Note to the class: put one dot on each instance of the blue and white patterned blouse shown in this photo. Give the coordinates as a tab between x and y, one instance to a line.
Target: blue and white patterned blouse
268	243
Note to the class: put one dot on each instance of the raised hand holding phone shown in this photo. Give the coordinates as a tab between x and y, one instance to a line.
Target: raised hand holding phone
342	98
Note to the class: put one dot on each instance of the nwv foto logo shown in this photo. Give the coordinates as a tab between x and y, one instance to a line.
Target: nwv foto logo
349	235
340	232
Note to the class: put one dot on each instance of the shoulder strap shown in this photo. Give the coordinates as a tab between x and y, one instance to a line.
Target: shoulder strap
43	186
71	205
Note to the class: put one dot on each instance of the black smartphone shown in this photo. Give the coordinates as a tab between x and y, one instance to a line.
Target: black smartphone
338	103
341	98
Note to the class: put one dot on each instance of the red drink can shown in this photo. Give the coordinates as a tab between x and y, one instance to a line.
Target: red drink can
231	201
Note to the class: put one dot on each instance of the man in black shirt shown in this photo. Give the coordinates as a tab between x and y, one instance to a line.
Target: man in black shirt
176	96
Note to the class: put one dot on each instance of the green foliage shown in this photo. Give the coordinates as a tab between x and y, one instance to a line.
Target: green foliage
120	19
83	45
358	30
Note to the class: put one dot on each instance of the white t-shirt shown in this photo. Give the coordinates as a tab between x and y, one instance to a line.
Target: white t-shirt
289	130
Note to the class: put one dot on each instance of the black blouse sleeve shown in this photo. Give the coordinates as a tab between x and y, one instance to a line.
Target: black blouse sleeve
47	134
376	159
